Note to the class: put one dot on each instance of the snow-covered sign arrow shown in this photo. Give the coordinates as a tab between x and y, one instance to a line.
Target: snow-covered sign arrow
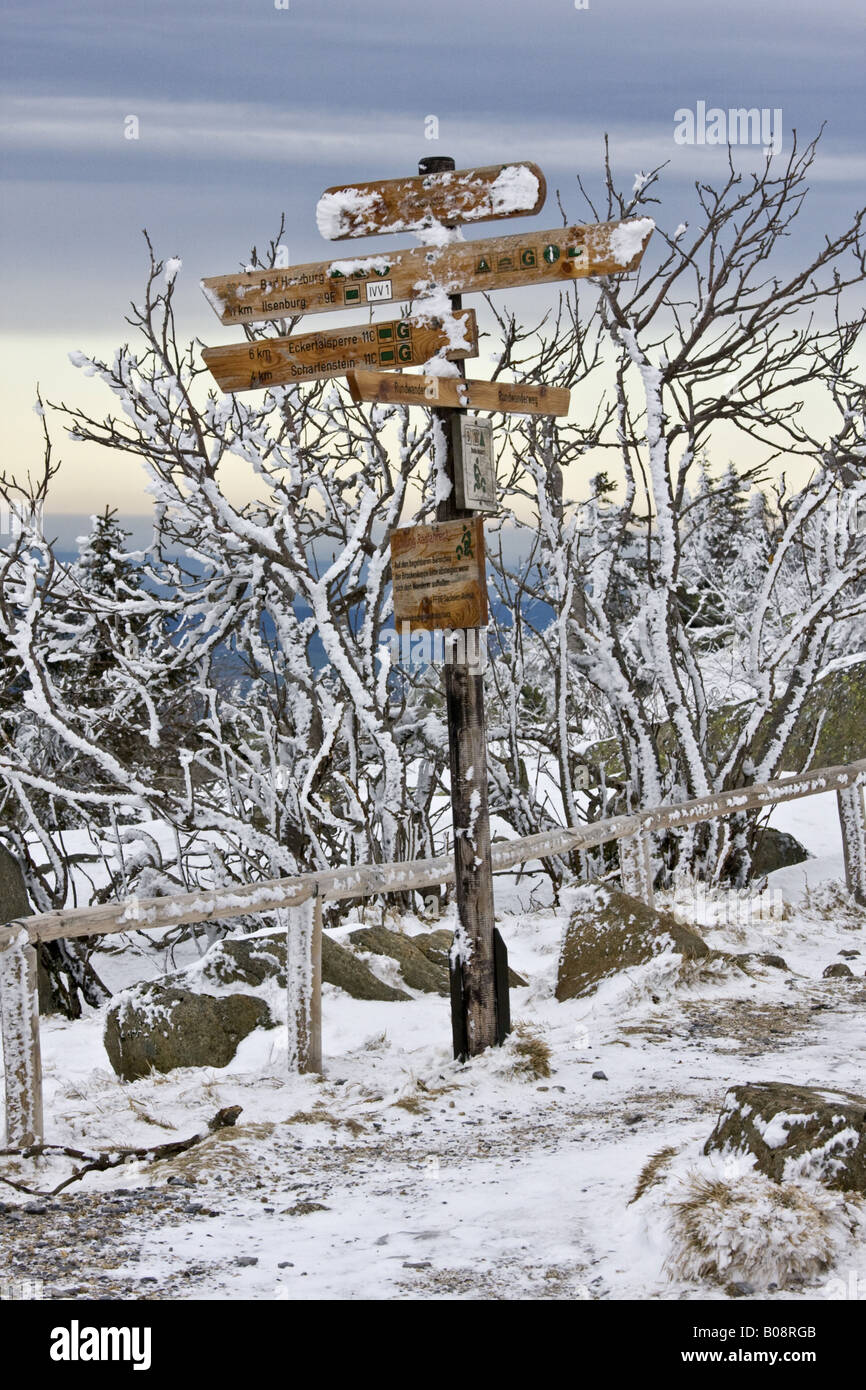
463	267
408	342
414	204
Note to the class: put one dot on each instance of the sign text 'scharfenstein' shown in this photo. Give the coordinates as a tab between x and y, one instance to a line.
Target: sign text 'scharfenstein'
457	392
461	267
438	575
474	463
413	204
336	351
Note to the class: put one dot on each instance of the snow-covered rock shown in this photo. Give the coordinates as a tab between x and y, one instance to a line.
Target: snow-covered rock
253	960
796	1131
158	1027
609	931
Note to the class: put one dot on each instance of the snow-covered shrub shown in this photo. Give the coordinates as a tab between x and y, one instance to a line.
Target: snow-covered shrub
751	1229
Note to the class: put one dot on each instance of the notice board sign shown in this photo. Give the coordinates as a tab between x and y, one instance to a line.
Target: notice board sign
438	575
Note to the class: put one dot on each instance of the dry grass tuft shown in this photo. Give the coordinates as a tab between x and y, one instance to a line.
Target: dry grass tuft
532	1053
414	1104
652	1172
324	1117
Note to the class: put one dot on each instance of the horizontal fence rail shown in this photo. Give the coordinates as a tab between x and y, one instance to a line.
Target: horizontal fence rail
19	1017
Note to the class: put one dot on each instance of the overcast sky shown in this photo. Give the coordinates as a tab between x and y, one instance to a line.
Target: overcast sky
246	111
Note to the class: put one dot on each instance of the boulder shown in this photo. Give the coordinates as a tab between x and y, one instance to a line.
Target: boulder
775	962
609	931
341	968
835	711
435	945
416	969
775	849
796	1132
763	958
249	960
838	971
14	901
252	960
157	1027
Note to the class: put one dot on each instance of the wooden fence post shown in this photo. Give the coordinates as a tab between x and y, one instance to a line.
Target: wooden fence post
314	1046
304	985
22	1061
852	819
635	867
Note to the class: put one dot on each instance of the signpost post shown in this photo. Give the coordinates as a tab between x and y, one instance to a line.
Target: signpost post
438	573
474	1011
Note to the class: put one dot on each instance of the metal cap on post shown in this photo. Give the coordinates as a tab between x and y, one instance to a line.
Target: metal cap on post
436	164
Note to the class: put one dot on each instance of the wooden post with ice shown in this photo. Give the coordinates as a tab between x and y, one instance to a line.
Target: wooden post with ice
474	1014
852	819
304	984
635	867
19	1024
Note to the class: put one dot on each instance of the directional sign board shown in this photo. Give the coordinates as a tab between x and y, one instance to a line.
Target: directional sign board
523	398
462	267
438	575
334	352
474	463
411	205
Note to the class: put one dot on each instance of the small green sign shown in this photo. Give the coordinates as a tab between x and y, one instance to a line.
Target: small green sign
551	254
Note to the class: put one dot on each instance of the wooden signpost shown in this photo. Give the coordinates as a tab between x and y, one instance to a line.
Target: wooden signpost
461	267
438	573
523	398
334	352
447	196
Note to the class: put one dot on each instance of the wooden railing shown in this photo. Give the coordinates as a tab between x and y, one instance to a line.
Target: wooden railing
304	896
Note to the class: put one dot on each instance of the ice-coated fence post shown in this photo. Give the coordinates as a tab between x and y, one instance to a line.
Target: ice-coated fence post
304	985
852	819
635	867
314	1049
19	1025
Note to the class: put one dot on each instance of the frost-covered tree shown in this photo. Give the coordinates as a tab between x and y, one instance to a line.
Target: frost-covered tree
708	335
310	749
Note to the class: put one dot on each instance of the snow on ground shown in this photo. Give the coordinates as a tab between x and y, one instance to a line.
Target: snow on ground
401	1174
